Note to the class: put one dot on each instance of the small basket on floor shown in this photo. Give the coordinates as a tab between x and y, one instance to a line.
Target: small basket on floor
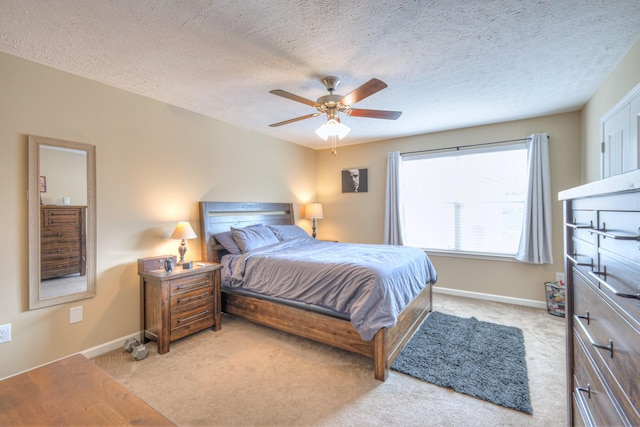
555	293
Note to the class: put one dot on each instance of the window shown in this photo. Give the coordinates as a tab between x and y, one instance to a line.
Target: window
469	201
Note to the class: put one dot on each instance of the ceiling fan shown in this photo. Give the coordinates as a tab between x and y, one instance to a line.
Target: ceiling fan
332	105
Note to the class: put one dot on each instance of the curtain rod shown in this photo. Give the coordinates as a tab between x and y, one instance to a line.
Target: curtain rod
466	146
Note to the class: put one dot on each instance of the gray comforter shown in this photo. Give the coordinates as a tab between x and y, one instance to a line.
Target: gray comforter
370	283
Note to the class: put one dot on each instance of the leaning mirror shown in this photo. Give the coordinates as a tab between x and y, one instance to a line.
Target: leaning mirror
62	221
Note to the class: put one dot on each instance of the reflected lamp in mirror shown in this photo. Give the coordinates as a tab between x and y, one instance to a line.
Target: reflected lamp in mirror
313	211
183	231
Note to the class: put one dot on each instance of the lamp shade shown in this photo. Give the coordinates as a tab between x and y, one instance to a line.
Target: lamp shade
332	128
183	231
313	211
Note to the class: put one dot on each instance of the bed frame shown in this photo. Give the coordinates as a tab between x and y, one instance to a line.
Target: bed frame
216	217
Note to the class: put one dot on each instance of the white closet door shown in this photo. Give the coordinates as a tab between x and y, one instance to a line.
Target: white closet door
634	133
620	142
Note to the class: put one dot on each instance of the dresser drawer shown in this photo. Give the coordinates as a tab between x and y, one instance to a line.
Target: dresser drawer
583	255
595	404
57	253
600	326
620	284
61	216
582	223
59	235
620	233
55	268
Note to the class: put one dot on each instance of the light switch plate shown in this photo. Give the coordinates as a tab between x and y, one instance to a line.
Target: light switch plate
75	314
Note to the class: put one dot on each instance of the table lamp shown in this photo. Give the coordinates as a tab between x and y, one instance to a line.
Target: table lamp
183	231
313	211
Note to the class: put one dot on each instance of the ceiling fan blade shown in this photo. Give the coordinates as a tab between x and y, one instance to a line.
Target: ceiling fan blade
367	89
286	122
293	97
374	114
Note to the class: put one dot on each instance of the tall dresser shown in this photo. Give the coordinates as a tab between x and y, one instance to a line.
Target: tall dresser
602	265
63	241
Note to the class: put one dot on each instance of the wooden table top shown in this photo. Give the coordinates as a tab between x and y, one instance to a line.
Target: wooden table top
72	392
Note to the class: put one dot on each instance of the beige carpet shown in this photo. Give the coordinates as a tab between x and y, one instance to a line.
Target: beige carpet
251	375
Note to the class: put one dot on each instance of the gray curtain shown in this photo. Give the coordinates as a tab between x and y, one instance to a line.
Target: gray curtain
535	240
393	223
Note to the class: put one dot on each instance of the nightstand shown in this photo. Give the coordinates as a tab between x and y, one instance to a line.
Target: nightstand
177	304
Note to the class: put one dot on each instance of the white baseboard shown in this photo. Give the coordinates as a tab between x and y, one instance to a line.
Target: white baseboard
108	346
88	353
490	297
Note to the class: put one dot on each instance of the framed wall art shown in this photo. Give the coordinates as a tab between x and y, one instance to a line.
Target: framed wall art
355	180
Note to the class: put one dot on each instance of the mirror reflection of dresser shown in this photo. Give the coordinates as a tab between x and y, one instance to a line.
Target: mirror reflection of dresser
62	224
63	248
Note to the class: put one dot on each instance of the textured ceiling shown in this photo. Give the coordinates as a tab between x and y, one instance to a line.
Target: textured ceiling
448	64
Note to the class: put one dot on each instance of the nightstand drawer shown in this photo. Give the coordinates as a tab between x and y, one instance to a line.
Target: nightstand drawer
187	284
191	318
193	296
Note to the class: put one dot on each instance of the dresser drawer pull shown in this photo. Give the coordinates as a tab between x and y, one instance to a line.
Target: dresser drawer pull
596	275
586	316
193	285
576	225
204	313
585	390
609	347
573	258
604	233
205	294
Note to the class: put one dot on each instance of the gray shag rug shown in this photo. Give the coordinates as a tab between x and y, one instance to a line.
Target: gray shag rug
481	359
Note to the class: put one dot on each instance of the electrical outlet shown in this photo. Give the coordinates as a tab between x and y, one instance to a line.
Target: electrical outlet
560	277
75	314
5	333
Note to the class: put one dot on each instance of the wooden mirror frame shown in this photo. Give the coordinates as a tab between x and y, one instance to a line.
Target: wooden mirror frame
35	298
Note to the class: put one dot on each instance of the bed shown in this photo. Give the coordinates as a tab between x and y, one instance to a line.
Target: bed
328	325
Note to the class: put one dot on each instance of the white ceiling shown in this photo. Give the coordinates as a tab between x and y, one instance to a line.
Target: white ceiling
448	64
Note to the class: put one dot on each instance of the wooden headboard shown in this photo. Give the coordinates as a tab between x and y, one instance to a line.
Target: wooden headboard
217	217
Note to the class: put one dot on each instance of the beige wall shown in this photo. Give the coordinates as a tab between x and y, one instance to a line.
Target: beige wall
621	81
154	163
359	217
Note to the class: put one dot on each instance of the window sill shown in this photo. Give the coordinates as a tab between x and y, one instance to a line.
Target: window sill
472	255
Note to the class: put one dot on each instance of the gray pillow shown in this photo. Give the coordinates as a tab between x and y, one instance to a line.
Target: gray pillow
226	240
287	232
253	237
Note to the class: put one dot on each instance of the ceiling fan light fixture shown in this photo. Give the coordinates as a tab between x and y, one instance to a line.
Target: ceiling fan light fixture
333	128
